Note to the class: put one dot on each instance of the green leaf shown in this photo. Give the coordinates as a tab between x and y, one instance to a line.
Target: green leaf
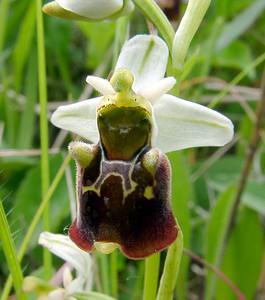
228	170
23	44
181	194
246	128
236	55
216	233
240	24
4	12
28	198
100	37
10	253
243	256
253	196
28	118
91	296
60	33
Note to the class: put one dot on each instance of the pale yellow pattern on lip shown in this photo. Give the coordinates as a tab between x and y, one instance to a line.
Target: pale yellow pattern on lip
105	247
149	193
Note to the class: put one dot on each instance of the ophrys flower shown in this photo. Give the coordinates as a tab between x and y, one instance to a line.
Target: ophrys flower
124	177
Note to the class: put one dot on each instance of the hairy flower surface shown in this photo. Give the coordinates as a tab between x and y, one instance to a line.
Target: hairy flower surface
91	10
123	181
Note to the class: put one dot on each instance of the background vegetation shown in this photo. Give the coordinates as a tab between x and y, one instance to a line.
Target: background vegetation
219	207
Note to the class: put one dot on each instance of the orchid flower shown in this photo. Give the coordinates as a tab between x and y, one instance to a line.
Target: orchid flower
64	248
123	178
90	10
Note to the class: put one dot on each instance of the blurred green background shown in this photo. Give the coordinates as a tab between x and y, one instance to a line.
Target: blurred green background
225	63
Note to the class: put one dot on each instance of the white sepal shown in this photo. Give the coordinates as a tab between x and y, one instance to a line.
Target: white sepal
58	294
146	57
79	118
183	124
64	248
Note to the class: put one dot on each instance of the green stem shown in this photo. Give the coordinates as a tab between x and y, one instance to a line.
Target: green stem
35	221
153	12
138	287
171	269
43	129
10	253
9	112
114	273
104	272
151	276
188	26
4	8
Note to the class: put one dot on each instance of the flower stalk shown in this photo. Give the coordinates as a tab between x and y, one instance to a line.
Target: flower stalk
153	12
171	269
151	276
188	26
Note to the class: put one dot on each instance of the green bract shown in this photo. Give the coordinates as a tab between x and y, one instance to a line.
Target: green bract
90	10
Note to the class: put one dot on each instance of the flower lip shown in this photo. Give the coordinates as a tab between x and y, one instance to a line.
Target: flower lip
126	204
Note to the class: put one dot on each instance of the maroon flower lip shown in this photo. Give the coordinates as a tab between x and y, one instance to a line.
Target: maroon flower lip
124	203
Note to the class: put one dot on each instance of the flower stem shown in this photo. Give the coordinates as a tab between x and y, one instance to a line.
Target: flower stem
153	12
43	128
10	253
35	221
104	272
188	26
151	276
171	269
114	273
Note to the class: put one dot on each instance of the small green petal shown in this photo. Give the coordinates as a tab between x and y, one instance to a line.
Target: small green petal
122	80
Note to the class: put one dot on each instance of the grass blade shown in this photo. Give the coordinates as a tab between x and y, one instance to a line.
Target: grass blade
43	127
10	253
217	228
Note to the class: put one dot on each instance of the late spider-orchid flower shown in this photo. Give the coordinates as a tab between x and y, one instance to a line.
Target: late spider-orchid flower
123	181
89	10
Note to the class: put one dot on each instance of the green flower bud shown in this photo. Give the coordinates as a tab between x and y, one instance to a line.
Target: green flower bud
89	10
